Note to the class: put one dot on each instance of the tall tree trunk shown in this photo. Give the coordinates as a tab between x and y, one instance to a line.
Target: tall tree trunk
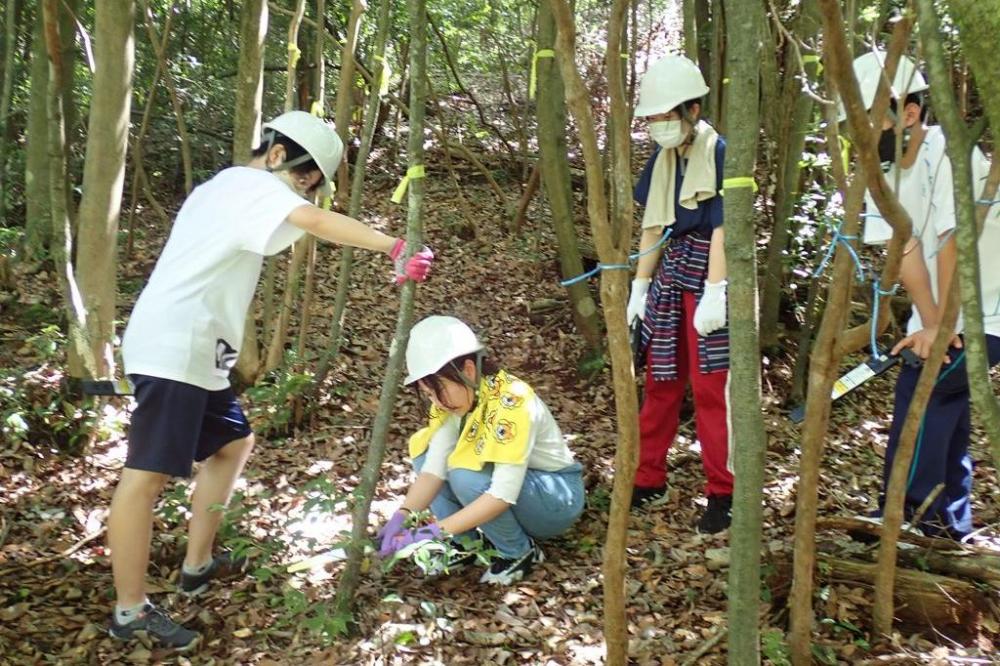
976	21
379	71
717	71
612	236
830	340
9	74
37	194
690	12
246	136
159	46
394	367
748	441
279	332
82	362
558	185
795	111
104	174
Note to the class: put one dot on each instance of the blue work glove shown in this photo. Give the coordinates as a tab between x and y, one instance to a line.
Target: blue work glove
409	537
389	530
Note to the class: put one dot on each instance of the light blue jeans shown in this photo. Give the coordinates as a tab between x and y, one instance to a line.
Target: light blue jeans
549	504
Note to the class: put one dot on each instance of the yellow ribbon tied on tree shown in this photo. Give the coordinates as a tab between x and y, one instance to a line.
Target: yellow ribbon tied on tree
383	76
532	83
413	172
738	182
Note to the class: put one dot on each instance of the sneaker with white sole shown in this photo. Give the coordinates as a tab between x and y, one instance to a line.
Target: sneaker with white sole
154	623
505	571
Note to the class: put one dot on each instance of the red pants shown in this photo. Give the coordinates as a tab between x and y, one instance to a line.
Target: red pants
659	415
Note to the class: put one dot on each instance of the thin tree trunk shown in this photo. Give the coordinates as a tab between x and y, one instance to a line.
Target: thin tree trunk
975	21
551	110
137	143
83	361
789	142
9	74
829	347
394	367
354	208
612	236
748	441
104	175
528	194
717	61
159	46
690	29
277	334
38	224
246	137
342	114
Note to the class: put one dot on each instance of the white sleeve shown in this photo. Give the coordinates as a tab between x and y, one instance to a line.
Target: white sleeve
507	481
942	197
877	230
264	229
440	447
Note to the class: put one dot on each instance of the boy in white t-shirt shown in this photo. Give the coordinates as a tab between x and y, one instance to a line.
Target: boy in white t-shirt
184	336
922	180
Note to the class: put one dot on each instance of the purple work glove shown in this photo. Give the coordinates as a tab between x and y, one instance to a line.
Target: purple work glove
389	530
412	536
415	268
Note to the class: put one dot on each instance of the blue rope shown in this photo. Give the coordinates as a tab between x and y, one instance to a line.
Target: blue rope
987	202
877	294
609	267
831	248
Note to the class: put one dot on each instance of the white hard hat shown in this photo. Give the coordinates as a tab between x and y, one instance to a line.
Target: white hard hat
434	341
868	70
670	81
317	137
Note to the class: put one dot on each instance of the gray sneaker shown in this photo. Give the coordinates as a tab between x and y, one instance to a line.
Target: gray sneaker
155	624
223	565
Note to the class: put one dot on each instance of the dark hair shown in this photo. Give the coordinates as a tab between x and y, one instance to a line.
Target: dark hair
912	98
452	371
292	151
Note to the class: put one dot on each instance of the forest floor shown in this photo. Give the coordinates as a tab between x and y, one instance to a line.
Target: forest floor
55	578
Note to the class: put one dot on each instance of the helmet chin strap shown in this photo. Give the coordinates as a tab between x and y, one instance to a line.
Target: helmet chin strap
286	164
465	380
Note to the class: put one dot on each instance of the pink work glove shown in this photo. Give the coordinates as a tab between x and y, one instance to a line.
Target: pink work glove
412	536
415	268
389	530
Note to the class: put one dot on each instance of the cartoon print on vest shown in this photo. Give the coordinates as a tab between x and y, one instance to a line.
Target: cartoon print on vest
473	431
504	431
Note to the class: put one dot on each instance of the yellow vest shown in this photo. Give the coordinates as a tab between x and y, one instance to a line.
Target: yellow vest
496	431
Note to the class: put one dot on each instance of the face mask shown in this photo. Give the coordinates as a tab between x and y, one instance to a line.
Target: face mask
887	145
667	133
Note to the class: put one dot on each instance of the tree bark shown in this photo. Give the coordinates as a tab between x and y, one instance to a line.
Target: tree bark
9	74
246	137
394	367
554	165
82	362
612	235
748	441
354	208
104	174
975	21
797	110
38	223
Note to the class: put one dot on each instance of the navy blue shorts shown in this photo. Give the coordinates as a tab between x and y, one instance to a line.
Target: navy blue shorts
175	424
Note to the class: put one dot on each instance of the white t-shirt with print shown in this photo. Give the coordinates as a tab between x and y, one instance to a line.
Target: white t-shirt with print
188	322
547	451
925	192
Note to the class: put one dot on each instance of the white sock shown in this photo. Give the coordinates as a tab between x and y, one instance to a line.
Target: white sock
198	570
125	615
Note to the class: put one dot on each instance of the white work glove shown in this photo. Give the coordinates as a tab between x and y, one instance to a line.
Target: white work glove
710	315
637	300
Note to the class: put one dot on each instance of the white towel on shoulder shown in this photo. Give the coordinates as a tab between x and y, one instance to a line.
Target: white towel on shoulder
697	186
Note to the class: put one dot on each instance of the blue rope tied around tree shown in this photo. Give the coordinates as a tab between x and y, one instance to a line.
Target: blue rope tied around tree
877	294
987	202
831	248
609	267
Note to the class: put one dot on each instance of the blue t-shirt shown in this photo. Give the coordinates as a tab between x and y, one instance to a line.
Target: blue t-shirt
701	220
